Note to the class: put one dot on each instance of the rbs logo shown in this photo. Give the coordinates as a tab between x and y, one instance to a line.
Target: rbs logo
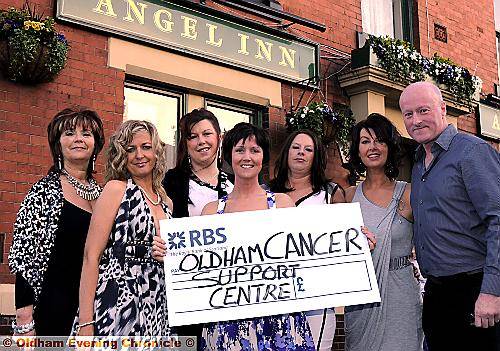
203	237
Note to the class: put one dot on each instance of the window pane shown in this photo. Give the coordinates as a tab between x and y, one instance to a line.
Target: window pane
161	110
229	116
377	17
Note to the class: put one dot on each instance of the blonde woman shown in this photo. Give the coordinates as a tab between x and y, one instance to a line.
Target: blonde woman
122	288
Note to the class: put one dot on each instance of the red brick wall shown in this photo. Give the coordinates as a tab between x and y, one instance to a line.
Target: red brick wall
471	40
87	81
471	35
25	112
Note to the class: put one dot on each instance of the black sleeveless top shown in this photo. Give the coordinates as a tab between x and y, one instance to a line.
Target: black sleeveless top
57	307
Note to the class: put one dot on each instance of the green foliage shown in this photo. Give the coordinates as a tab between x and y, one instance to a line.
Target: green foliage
330	124
308	117
33	50
404	64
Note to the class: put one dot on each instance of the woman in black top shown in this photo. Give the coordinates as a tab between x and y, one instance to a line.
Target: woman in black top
51	227
197	179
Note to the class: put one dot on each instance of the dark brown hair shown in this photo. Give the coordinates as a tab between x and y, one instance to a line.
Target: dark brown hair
385	132
185	125
243	131
318	167
69	118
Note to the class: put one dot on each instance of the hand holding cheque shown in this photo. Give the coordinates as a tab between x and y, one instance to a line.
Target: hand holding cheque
251	264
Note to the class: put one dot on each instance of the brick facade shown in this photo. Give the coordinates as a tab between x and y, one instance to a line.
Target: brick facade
88	81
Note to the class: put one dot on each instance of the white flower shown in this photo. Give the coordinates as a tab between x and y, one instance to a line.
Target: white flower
291	120
306	109
302	115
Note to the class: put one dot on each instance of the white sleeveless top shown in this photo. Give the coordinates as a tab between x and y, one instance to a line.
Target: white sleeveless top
201	193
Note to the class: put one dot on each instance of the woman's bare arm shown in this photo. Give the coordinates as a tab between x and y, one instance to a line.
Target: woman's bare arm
103	217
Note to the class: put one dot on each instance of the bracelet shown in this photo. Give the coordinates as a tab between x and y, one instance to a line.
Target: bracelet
80	326
23	328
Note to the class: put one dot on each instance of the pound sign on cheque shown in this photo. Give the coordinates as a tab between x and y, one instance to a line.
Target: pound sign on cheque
300	284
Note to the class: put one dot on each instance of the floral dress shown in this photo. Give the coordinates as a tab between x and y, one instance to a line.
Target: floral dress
277	333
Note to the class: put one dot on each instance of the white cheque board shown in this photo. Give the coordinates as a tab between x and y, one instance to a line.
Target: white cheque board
260	263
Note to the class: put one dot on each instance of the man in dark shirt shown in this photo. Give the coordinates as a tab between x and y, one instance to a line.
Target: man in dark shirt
456	205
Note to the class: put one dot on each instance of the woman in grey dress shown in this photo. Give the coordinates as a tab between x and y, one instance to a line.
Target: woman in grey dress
395	323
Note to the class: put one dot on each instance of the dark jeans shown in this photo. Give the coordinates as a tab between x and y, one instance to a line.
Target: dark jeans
447	315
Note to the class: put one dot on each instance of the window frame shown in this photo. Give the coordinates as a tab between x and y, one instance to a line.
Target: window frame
163	89
258	113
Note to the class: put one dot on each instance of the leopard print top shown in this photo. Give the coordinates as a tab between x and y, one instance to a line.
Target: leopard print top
34	231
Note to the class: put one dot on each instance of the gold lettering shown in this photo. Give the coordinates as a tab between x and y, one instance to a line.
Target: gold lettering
189	28
211	36
131	5
109	8
263	48
496	123
288	55
162	24
243	44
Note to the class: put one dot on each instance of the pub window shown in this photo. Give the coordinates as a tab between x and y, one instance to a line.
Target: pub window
230	114
161	107
388	17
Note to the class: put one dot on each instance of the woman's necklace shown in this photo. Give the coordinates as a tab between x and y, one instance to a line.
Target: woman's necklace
207	180
154	203
88	192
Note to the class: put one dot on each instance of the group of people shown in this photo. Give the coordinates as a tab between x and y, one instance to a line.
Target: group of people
88	261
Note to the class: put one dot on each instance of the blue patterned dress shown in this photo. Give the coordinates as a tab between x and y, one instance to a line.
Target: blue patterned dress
271	333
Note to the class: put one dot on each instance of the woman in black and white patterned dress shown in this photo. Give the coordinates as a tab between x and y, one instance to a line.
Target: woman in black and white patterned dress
122	289
51	227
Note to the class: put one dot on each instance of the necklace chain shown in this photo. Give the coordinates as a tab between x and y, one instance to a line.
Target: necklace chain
154	203
88	192
208	179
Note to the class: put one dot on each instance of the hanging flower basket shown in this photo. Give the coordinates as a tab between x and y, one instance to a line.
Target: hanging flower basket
331	124
31	51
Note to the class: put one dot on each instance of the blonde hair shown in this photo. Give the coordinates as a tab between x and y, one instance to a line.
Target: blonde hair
116	165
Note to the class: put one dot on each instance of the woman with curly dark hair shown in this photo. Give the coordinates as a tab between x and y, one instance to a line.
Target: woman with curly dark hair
395	323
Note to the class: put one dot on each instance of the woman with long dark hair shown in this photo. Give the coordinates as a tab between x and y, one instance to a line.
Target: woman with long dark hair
395	323
299	172
197	178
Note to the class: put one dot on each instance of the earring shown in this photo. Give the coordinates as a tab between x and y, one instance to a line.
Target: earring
219	155
92	168
59	162
189	161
